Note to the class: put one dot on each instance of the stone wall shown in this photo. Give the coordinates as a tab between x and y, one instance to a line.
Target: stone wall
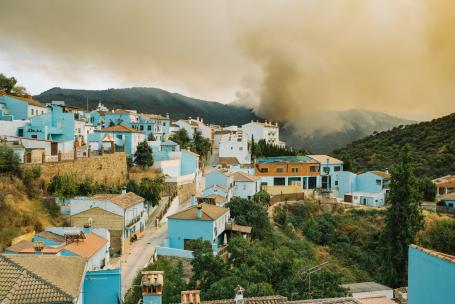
185	191
138	176
109	169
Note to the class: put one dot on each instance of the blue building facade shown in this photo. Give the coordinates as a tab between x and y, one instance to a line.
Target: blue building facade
121	136
220	178
431	276
103	286
20	108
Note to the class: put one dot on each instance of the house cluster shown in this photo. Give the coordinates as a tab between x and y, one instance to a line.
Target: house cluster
430	279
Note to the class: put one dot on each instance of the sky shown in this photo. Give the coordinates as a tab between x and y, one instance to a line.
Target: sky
292	60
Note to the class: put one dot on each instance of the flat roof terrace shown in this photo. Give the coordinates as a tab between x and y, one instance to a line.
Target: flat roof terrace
286	159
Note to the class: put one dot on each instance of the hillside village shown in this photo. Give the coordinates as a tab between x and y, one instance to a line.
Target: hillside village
132	192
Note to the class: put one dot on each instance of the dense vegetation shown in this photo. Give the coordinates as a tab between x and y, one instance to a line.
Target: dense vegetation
263	149
198	144
8	85
433	144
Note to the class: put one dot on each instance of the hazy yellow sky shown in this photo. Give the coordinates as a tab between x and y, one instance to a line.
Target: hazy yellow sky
289	58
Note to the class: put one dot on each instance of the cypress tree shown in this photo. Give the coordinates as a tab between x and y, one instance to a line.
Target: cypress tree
403	220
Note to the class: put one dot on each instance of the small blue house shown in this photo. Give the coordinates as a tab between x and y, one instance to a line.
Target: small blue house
203	221
431	276
20	108
121	136
157	125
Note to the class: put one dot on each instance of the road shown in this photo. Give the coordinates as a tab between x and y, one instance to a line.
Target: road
141	251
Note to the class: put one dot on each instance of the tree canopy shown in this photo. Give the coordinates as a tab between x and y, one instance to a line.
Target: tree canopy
143	156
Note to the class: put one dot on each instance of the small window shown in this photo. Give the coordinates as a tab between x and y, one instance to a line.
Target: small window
279	170
264	170
337	168
336	183
378	182
149	127
141	128
33	112
232	148
244	187
314	169
240	148
294	170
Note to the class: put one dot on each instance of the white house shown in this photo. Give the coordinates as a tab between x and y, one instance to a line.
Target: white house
191	125
235	145
220	182
245	185
267	131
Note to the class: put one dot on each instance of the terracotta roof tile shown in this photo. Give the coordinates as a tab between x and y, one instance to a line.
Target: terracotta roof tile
347	300
51	236
209	213
322	159
153	116
87	247
446	257
243	177
381	174
124	200
38	278
228	160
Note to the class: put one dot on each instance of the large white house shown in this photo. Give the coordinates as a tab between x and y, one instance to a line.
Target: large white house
235	144
191	125
267	131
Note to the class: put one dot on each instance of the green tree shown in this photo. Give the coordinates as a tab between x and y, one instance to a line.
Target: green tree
143	156
263	198
151	137
253	149
427	188
9	161
181	137
150	189
200	145
7	84
207	267
403	220
64	186
251	213
111	123
441	236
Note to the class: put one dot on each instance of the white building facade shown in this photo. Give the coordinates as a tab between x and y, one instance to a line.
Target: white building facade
267	131
235	145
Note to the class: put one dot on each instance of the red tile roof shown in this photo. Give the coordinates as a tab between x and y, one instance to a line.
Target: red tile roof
119	128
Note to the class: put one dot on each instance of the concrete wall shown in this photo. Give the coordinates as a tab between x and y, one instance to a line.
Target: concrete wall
430	278
109	168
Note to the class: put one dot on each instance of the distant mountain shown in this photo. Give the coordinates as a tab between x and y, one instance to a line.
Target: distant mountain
433	143
358	124
152	100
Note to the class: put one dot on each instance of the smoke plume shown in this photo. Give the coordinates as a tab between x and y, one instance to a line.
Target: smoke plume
296	61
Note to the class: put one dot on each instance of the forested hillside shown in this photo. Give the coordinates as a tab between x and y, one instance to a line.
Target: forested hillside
433	145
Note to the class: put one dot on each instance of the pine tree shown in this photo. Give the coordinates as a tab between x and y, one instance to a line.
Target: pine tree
403	220
253	149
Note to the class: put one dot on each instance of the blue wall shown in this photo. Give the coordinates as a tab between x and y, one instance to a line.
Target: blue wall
103	286
46	242
346	182
369	182
430	279
151	300
216	178
189	163
178	230
16	107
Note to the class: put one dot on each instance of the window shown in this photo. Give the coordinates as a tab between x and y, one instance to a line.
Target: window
119	136
314	169
279	181
232	148
337	168
240	148
294	170
141	128
336	183
244	187
378	182
264	170
279	170
149	127
33	111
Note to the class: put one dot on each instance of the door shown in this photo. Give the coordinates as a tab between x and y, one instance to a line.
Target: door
279	181
326	182
348	198
54	148
312	182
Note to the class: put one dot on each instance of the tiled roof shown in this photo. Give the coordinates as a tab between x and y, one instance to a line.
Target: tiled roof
446	257
228	160
448	196
51	236
39	278
88	247
119	128
30	101
20	246
218	198
209	213
381	174
445	180
225	171
124	200
347	300
253	300
243	177
322	159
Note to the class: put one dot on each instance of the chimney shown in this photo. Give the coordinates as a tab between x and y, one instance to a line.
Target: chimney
191	297
199	211
124	190
38	246
152	287
167	115
387	170
239	295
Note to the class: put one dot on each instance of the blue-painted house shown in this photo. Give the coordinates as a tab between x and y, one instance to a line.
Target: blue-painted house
20	108
157	125
119	135
219	180
431	276
369	188
203	221
328	167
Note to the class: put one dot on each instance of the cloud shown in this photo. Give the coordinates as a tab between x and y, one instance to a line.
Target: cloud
296	61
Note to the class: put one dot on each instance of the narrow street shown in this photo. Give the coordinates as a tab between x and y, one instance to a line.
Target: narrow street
139	253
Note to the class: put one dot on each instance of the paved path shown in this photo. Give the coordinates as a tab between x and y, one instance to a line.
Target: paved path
142	250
